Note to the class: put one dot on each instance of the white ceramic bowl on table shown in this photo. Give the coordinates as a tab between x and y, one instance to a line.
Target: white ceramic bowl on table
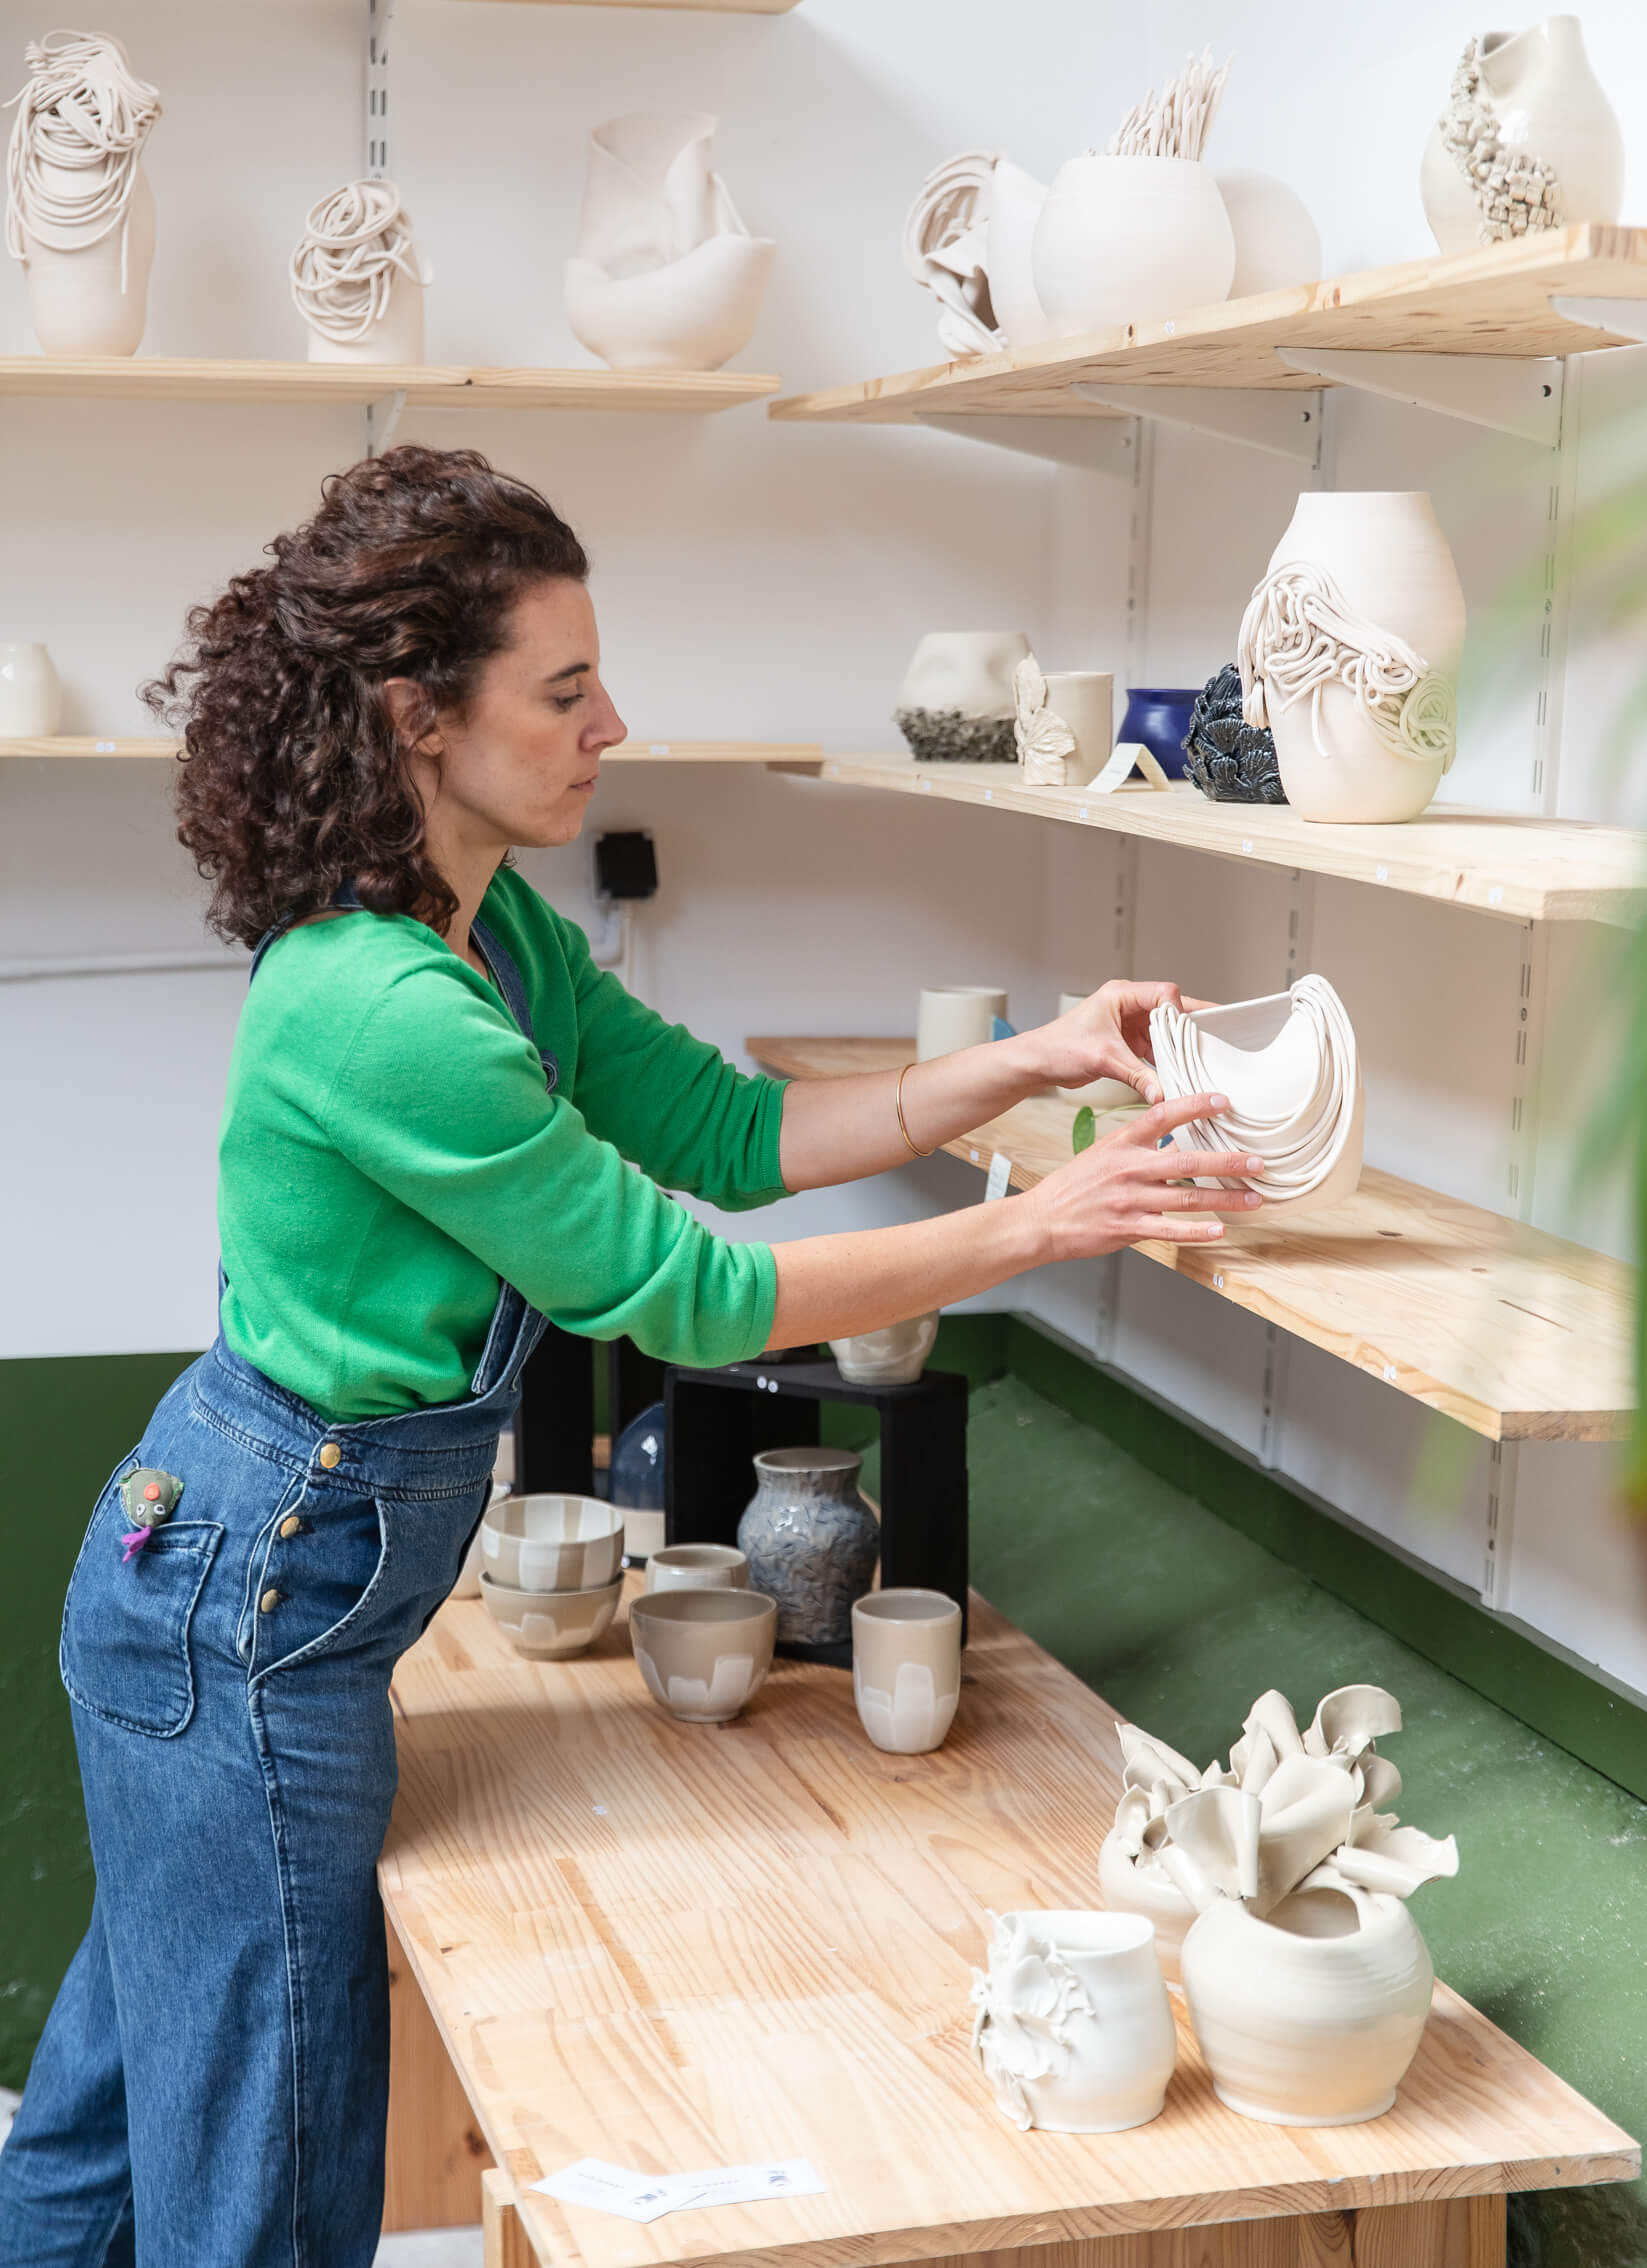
697	1567
547	1626
703	1654
552	1543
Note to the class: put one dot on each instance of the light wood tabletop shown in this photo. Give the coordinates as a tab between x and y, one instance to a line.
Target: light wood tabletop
677	1946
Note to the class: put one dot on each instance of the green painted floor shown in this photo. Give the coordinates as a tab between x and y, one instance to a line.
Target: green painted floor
1181	1622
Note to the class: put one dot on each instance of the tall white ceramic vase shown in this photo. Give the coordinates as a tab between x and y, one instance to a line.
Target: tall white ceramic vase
1548	105
1385	551
1130	240
79	300
31	700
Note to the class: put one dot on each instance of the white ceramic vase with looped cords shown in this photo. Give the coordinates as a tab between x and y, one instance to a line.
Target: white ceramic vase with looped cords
1385	552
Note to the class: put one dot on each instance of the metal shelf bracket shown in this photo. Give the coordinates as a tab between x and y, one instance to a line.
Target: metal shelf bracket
1282	425
1517	394
1091	444
381	419
1624	318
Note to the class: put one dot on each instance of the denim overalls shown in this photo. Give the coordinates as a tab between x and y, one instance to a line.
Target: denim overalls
210	2089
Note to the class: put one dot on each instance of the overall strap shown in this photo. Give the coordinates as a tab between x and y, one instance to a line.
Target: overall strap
507	977
345	899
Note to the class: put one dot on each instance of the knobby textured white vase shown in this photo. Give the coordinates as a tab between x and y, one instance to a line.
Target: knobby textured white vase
1526	115
1386	559
1130	240
1276	242
1016	199
1074	2030
31	700
1312	2017
666	275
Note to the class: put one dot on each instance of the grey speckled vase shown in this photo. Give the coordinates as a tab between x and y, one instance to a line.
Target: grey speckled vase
811	1541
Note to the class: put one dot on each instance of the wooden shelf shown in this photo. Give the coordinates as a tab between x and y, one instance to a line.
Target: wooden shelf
798	755
1523	869
1516	1334
168	378
1494	301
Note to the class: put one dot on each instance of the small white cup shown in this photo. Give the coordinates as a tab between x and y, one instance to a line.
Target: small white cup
1085	699
697	1567
953	1016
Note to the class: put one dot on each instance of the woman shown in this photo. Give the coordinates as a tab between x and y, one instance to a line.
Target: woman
431	1102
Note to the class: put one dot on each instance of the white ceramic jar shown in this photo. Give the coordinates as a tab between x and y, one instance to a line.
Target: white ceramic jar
893	1356
1130	240
1074	2029
1277	244
82	300
1015	203
1385	551
31	700
1312	2017
952	1016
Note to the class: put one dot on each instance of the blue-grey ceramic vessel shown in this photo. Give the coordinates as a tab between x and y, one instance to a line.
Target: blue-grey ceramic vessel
811	1541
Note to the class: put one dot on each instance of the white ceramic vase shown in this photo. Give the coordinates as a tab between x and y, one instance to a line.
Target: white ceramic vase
894	1356
81	301
957	700
1312	2017
666	276
31	700
1385	553
1016	199
1276	242
1074	2030
1130	240
394	336
1537	100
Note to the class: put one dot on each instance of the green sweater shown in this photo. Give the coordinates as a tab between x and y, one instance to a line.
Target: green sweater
389	1152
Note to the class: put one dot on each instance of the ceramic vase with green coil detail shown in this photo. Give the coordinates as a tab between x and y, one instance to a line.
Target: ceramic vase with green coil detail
811	1542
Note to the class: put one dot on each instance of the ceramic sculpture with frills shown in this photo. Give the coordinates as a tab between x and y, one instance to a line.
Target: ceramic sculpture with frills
79	210
1283	1883
666	275
356	277
946	250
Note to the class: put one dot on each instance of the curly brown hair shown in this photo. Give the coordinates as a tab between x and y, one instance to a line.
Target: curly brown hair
293	777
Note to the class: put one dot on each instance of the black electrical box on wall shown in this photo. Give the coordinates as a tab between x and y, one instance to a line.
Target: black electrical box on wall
626	866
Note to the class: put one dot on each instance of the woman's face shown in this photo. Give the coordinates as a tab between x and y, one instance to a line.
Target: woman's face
519	765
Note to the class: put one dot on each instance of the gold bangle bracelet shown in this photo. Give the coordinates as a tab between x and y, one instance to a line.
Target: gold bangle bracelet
902	1128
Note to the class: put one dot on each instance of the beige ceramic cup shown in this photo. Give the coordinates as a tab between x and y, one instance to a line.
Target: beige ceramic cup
1085	699
703	1654
906	1668
951	1016
698	1567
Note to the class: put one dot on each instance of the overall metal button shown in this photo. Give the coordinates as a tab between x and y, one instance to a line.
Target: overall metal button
291	1526
268	1602
330	1454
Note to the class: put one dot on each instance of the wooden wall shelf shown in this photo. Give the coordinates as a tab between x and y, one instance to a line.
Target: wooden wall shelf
1524	869
1518	1335
1495	301
798	755
169	378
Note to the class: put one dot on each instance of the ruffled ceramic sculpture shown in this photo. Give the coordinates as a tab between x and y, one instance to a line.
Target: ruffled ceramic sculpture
946	250
1528	140
956	703
666	275
1139	232
79	210
1073	2029
1282	1881
1349	651
356	277
1228	759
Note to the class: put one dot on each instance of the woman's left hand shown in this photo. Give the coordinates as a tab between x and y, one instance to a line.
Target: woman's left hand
1107	1037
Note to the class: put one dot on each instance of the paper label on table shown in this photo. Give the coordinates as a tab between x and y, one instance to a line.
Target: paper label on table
747	2185
616	2189
1000	1176
1126	757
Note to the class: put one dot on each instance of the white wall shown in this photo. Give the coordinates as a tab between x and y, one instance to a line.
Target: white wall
761	580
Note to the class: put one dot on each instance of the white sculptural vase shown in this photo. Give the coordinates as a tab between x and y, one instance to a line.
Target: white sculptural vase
357	279
31	700
1074	2030
1535	118
1384	557
1015	203
1130	240
394	336
94	299
1277	244
956	698
666	276
1312	2017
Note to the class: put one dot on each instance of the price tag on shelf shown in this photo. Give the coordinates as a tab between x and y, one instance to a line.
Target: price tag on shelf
1000	1176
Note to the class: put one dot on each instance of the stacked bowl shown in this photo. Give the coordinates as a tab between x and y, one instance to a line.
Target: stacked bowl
1288	1064
551	1571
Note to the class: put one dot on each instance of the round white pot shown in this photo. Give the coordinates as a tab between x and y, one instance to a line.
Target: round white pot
396	336
1385	551
694	314
969	671
1016	198
31	700
1074	2030
1130	240
1276	242
77	301
1304	2028
1549	105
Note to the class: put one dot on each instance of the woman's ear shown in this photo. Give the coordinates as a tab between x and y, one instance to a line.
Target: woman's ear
412	714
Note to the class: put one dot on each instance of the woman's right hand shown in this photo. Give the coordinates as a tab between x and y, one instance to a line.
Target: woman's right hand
1126	1188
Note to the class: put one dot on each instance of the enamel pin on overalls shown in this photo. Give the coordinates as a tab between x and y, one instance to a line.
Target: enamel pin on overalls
150	1497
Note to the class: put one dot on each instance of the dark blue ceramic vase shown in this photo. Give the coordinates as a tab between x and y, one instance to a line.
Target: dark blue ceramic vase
1159	716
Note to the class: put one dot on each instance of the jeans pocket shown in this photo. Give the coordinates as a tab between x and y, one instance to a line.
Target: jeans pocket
124	1653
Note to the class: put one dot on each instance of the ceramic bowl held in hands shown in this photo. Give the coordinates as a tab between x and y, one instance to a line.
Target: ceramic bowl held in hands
704	1654
697	1567
549	1626
552	1543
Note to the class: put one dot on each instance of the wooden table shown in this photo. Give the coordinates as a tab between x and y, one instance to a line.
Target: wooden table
677	1946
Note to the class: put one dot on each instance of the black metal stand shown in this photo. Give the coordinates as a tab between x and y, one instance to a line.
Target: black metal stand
717	1421
555	1430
